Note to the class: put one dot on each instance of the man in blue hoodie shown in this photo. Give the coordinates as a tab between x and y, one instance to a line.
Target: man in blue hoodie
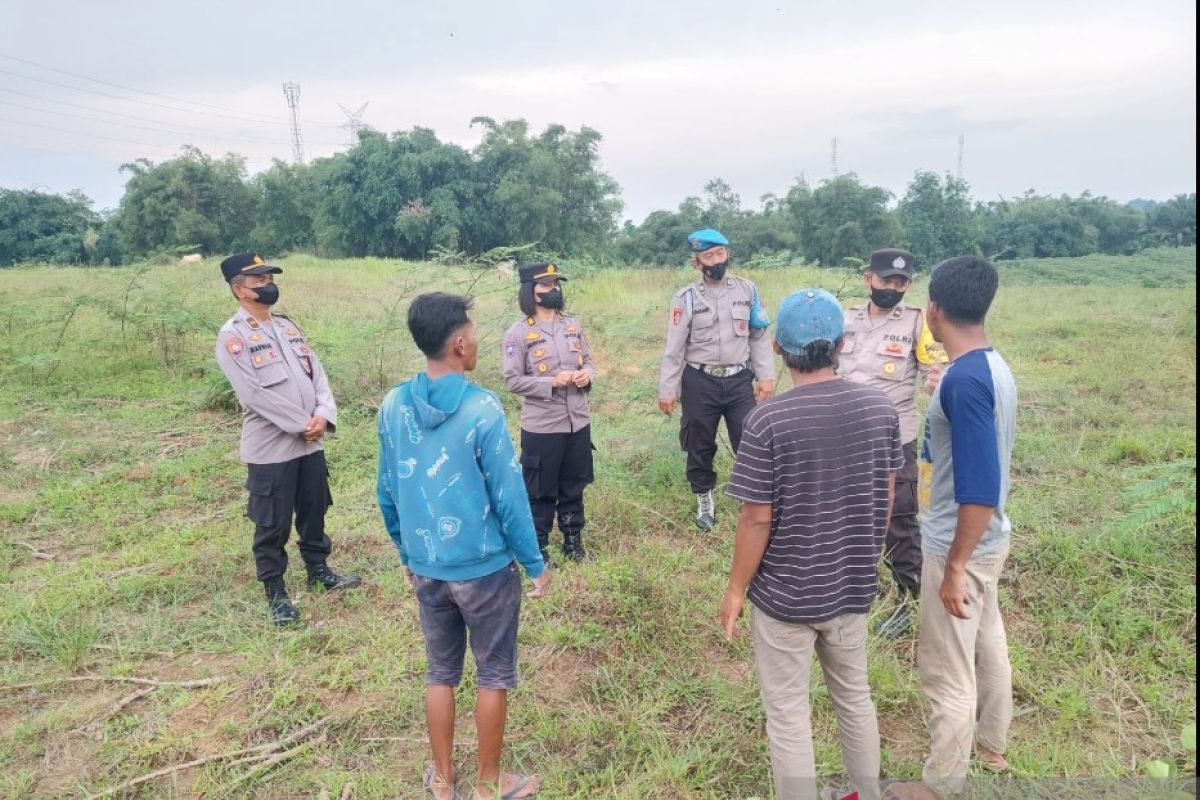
454	502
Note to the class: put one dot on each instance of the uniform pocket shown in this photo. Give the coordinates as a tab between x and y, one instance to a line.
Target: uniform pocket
702	327
741	320
271	373
260	507
894	360
531	471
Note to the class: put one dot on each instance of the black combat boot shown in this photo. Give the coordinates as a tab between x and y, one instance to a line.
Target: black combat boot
544	546
320	575
572	547
282	610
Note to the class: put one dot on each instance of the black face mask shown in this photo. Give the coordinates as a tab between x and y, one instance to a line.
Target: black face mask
552	299
886	298
268	295
716	271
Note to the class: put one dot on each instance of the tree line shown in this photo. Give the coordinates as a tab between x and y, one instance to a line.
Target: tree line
410	195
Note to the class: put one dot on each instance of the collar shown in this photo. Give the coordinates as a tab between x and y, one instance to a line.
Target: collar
701	286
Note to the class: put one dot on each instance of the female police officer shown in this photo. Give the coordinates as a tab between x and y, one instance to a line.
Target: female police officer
546	361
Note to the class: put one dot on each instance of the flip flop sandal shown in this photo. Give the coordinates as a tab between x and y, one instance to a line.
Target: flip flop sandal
430	777
515	792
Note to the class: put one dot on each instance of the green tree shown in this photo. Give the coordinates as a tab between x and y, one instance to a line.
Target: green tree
192	200
841	218
937	219
286	206
1174	222
58	229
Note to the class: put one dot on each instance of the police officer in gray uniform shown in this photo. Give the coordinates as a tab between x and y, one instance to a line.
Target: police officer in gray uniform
887	345
287	408
717	345
547	362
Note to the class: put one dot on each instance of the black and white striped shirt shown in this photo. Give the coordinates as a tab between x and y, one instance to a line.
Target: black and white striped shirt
820	455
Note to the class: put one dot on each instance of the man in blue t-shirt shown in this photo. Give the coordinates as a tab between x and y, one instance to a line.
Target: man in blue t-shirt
454	502
962	653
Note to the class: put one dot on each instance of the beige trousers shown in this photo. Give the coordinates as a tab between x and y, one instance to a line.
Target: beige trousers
964	670
783	655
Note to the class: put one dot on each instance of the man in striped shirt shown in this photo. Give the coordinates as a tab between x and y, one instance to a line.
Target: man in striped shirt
815	470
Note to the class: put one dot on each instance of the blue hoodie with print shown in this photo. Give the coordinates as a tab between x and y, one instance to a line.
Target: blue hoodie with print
450	485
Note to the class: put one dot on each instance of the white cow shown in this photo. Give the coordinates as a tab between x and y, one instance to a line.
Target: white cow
191	258
504	270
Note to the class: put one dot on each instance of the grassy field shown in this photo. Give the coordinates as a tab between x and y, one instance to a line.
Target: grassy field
124	553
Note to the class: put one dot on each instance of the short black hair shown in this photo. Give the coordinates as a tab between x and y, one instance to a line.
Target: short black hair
433	317
963	287
816	355
526	300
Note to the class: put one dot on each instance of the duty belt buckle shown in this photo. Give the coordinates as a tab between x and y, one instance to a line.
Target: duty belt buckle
717	372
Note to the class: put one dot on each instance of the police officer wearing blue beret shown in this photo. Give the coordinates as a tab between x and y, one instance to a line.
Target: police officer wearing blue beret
717	347
288	406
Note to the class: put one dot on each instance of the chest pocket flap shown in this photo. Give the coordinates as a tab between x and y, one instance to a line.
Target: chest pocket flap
894	358
270	371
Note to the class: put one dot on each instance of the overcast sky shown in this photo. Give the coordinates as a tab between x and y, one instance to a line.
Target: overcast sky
1055	96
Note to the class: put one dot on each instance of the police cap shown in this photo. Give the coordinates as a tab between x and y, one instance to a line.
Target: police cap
532	273
246	264
889	262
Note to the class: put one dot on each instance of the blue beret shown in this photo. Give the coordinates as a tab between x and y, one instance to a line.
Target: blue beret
705	239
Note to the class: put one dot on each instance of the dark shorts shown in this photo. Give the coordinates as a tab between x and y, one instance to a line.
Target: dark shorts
487	609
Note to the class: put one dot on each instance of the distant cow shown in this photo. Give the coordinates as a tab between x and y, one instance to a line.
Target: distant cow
192	258
504	270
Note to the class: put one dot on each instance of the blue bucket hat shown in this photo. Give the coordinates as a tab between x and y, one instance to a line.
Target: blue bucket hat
807	316
706	239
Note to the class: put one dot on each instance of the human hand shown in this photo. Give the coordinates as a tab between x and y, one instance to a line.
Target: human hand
412	579
953	592
316	429
582	378
933	378
563	379
541	585
731	609
666	405
765	390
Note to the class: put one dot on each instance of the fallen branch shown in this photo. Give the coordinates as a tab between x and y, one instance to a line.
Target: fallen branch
111	649
116	707
277	758
115	679
36	553
262	751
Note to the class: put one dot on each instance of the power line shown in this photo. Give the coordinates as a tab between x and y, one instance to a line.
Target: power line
261	118
127	99
190	129
213	135
89	135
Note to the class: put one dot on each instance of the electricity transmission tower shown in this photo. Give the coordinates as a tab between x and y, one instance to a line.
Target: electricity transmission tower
962	138
354	122
833	167
292	92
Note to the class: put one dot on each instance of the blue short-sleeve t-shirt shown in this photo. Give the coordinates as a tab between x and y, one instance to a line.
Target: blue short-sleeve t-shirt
967	448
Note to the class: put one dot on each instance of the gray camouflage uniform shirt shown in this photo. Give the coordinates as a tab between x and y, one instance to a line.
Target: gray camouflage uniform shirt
712	327
532	355
280	385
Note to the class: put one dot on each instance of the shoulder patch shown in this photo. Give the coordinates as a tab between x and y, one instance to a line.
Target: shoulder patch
235	346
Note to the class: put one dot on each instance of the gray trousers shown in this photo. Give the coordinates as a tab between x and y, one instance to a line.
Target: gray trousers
783	657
